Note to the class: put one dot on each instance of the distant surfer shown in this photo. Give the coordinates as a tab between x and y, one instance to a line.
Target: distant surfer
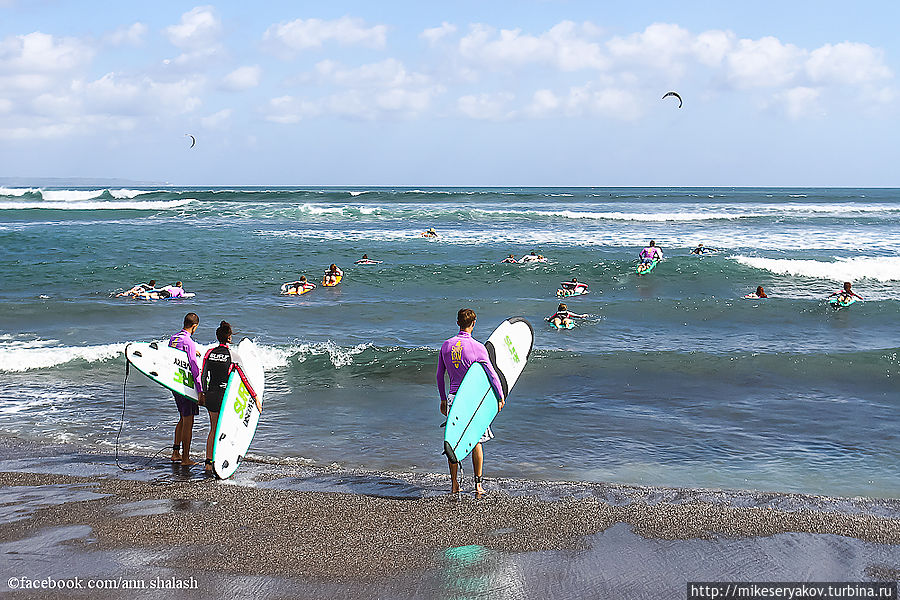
572	288
138	289
297	287
701	249
365	260
846	294
563	317
509	259
332	275
650	253
187	408
760	293
430	233
218	364
174	291
533	257
456	356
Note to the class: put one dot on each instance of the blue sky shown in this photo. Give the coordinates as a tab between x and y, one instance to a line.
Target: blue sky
557	93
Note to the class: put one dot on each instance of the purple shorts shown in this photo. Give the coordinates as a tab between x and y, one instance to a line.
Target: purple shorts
186	406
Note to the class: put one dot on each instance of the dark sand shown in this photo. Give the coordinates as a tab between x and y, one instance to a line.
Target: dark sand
300	543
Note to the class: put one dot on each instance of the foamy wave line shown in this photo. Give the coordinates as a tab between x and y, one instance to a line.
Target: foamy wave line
65	195
16	358
274	357
16	192
99	205
842	269
620	216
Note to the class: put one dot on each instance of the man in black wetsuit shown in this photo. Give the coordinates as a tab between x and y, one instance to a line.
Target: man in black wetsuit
217	366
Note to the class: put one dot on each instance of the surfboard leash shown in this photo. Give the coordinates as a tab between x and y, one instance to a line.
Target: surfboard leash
122	424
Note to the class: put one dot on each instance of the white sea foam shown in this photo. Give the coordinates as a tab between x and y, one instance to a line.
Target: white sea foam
128	194
842	269
354	194
16	192
25	355
66	195
97	205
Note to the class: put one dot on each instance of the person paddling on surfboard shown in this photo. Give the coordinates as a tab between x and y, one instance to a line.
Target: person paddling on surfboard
218	364
509	259
846	294
563	316
651	253
458	354
331	275
365	260
187	408
760	293
572	288
138	289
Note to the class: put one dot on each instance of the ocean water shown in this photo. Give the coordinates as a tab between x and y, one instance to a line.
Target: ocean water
673	380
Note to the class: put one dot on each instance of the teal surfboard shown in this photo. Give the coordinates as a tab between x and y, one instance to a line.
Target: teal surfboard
475	404
644	268
841	301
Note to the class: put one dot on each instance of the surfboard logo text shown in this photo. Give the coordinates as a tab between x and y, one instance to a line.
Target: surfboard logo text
512	349
243	397
185	378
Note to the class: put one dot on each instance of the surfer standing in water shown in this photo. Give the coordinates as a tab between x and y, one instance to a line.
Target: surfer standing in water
187	408
457	355
218	364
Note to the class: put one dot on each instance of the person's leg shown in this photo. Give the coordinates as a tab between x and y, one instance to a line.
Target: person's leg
176	455
477	464
211	438
187	430
454	481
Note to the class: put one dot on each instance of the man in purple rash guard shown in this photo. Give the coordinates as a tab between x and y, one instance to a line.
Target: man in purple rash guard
187	408
457	355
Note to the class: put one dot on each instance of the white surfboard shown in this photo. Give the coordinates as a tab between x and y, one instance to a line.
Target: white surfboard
240	413
166	366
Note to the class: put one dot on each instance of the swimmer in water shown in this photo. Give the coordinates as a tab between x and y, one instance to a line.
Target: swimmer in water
563	316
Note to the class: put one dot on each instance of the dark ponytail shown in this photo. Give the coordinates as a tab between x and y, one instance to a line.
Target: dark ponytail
223	332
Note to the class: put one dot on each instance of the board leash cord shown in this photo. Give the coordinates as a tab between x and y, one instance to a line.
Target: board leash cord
122	425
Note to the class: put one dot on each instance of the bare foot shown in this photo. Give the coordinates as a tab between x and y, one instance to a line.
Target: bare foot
208	468
454	487
176	457
479	491
186	462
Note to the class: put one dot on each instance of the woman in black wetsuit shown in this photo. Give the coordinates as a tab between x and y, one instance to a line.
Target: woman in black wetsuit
217	366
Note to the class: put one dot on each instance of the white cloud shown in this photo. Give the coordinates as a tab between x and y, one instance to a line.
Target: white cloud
389	73
435	34
217	120
661	45
763	63
563	46
711	47
847	63
243	78
131	35
486	106
543	103
290	110
302	34
199	28
199	35
801	102
42	53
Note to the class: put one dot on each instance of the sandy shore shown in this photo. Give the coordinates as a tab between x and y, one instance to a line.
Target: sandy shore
186	523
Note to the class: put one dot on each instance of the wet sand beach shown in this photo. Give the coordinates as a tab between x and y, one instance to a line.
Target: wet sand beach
289	532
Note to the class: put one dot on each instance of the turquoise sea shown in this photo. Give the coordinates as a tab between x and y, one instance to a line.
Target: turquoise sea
673	380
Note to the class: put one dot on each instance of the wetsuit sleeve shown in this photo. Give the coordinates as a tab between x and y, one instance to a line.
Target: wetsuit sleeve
441	369
482	357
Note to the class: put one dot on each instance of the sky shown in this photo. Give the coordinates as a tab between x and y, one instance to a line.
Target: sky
463	93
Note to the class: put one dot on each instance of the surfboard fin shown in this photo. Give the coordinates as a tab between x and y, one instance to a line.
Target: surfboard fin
451	455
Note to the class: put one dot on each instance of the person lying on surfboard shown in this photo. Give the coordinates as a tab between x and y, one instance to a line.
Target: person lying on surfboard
169	291
509	259
700	249
846	293
365	260
458	354
331	275
760	293
650	253
138	289
300	284
563	316
571	288
429	233
218	364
